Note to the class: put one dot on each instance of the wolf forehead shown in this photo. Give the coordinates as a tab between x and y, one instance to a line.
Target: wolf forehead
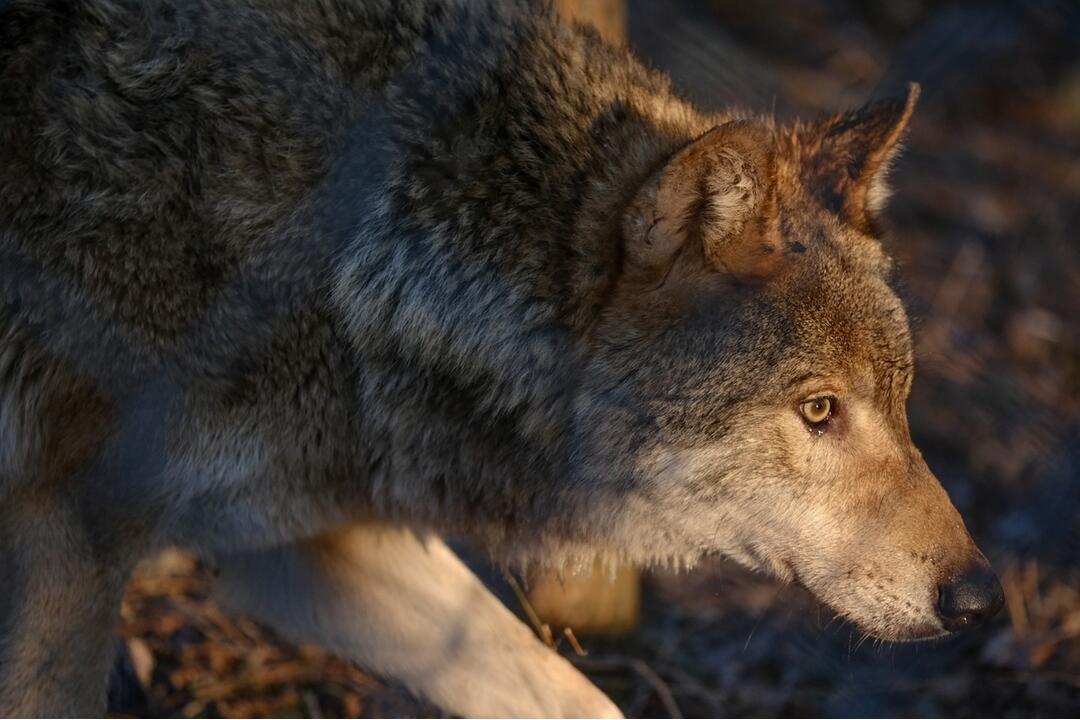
836	286
827	305
841	277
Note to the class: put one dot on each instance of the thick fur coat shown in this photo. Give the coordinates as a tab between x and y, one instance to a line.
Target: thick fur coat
277	275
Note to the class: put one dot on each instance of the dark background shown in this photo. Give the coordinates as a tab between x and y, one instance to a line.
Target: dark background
984	228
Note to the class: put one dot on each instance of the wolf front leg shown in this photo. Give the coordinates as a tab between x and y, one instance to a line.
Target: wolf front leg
59	604
411	610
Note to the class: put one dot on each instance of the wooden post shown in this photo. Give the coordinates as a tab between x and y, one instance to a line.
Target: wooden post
607	16
595	602
592	602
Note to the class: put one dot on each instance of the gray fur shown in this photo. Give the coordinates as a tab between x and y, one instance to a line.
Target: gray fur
270	269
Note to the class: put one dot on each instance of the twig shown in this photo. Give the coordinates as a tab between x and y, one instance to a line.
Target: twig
614	662
569	633
542	628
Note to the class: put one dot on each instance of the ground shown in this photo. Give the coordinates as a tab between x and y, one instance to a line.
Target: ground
983	228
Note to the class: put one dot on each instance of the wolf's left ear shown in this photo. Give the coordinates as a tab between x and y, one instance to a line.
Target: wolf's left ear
848	169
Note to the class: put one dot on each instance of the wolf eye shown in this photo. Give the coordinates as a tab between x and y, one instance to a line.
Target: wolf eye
817	411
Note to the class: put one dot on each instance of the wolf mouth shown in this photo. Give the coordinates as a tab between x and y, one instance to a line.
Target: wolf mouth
893	632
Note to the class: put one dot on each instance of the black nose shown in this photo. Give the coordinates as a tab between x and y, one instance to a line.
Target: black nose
970	598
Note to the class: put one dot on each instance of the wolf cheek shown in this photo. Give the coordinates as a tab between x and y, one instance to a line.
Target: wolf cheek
876	536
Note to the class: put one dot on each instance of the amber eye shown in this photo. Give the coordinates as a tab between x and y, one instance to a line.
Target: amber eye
817	411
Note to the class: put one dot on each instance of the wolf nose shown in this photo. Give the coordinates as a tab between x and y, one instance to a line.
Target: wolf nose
970	598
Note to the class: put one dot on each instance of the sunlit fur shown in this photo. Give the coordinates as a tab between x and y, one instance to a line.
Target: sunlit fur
271	269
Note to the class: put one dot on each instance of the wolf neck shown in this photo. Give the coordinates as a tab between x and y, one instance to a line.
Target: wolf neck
489	234
495	236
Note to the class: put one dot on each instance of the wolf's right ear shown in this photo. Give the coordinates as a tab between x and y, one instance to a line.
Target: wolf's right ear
720	191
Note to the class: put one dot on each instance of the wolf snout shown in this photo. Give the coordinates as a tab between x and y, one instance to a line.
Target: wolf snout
969	598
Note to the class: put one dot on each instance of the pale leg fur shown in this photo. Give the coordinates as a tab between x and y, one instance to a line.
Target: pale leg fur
58	615
410	610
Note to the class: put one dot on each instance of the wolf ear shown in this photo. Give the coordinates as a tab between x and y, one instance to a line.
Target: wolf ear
849	166
720	191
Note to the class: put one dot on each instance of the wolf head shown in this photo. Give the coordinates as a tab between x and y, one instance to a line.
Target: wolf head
751	370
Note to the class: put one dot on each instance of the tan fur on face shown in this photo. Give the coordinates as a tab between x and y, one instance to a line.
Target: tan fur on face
853	513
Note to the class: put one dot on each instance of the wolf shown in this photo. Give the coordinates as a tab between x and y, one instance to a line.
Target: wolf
308	287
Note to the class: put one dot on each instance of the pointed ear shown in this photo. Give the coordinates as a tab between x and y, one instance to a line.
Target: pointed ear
719	191
850	154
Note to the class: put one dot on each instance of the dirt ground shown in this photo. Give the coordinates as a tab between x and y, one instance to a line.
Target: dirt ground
984	228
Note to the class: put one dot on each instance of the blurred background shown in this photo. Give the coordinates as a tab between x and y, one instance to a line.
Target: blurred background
984	228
